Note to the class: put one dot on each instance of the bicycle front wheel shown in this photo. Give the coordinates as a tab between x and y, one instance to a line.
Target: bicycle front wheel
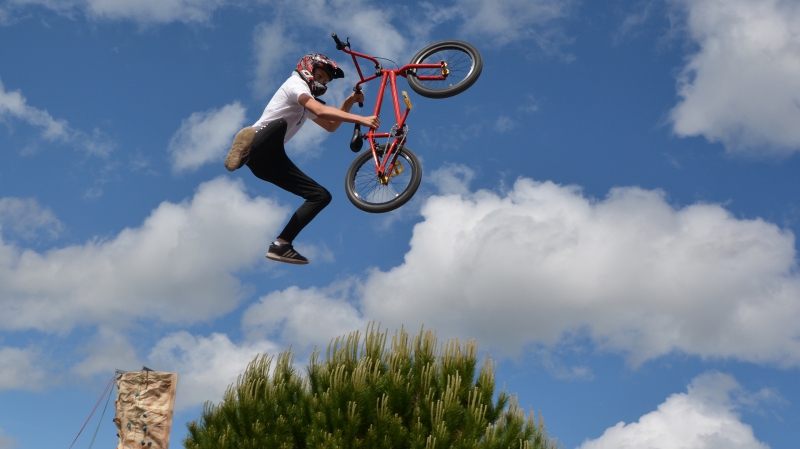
369	193
464	65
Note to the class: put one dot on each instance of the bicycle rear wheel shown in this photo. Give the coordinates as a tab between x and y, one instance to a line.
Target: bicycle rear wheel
366	191
463	62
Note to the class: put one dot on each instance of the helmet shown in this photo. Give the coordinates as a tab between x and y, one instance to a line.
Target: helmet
312	61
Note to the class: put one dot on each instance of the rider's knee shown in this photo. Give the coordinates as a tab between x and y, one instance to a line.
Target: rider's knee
321	196
328	197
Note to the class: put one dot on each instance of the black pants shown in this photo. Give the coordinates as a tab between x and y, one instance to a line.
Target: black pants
268	161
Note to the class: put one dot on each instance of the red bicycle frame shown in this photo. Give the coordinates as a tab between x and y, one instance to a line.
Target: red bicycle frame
389	76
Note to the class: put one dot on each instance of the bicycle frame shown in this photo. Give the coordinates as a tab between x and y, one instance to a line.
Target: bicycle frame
399	130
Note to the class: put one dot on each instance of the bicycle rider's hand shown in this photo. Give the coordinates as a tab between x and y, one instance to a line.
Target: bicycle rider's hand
371	122
356	97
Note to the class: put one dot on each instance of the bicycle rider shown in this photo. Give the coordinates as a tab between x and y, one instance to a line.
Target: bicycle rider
261	146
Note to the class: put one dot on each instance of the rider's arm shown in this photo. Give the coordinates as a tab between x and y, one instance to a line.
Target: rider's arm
330	118
333	125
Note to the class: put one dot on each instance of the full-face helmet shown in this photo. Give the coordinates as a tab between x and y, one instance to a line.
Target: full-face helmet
312	61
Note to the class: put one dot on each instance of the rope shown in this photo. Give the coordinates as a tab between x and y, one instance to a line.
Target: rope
110	383
101	418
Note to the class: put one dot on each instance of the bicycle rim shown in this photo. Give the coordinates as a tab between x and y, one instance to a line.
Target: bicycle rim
463	62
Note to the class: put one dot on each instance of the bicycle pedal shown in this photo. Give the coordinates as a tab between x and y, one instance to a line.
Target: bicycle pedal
398	168
407	100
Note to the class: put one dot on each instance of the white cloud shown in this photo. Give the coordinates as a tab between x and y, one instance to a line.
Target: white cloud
277	54
702	418
20	369
355	19
178	266
107	351
25	218
142	11
512	20
304	317
453	179
205	365
6	442
542	262
205	137
502	21
634	21
740	88
158	11
14	106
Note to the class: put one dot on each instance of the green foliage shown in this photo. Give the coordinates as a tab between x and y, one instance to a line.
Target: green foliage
362	395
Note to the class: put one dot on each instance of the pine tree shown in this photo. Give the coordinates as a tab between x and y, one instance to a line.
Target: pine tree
363	395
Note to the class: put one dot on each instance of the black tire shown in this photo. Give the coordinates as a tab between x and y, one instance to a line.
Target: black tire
463	60
367	193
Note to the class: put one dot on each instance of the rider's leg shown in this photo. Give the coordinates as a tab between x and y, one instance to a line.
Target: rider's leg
268	161
316	196
265	139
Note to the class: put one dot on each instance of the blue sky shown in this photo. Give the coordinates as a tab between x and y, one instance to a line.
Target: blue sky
611	210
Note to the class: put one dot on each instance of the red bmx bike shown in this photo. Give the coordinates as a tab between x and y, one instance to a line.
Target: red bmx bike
386	177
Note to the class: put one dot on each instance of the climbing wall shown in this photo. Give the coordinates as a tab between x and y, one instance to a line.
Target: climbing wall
144	409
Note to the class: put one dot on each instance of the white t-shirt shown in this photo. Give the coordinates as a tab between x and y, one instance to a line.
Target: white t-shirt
286	103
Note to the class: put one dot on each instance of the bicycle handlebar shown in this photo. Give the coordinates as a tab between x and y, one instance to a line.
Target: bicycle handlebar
339	44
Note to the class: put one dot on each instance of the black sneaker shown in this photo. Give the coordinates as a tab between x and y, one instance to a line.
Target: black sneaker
285	253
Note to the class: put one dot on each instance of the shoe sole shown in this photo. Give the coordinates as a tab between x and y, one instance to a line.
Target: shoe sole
278	258
240	148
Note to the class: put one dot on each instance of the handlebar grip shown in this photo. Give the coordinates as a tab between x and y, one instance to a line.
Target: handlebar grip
339	44
358	89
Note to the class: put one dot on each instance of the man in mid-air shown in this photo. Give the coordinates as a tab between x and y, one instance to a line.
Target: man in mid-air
260	146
